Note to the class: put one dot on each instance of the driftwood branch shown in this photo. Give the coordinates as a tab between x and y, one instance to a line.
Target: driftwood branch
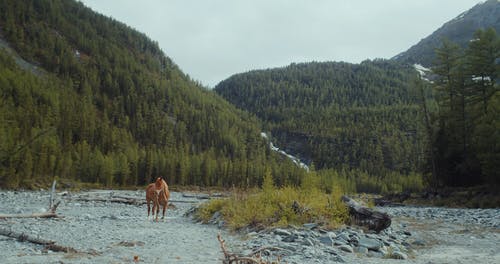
49	244
364	216
252	258
124	200
49	214
33	215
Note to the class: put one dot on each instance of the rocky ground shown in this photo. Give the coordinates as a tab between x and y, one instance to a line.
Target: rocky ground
108	232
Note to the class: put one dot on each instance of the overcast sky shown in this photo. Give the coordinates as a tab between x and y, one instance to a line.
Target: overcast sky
213	39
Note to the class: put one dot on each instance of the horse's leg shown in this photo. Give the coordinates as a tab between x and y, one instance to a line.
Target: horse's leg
157	204
148	201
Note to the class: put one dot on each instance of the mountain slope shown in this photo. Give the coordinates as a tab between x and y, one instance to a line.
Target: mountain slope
109	107
459	30
337	115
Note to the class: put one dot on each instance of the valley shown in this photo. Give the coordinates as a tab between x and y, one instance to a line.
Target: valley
114	233
99	107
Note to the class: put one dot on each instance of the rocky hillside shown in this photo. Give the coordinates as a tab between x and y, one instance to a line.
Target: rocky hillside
460	30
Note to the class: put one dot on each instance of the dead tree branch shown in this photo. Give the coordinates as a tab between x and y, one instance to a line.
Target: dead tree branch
51	212
252	258
49	244
33	215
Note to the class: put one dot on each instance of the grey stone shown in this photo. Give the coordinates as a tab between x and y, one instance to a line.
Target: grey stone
398	255
370	243
354	239
346	248
307	242
419	242
406	244
252	234
290	238
383	250
332	235
18	210
338	258
375	254
339	241
344	236
310	225
246	252
327	240
113	217
331	251
87	216
361	250
282	232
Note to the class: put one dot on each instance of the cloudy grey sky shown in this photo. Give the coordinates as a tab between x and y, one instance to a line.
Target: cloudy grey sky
212	39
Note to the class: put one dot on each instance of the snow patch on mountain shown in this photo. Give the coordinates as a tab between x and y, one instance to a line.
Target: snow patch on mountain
422	71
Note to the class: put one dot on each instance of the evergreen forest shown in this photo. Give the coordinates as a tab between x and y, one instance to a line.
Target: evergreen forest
362	121
466	129
379	126
85	98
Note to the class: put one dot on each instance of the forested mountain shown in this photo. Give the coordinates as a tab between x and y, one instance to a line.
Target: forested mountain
363	117
459	30
86	98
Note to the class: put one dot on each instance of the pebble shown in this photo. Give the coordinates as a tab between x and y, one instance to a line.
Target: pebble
326	240
361	250
310	225
398	255
307	242
370	243
418	242
346	248
282	232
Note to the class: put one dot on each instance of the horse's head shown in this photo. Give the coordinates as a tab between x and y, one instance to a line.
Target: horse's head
158	183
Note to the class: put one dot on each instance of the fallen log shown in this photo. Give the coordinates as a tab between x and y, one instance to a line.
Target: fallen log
111	200
367	217
33	215
125	200
49	244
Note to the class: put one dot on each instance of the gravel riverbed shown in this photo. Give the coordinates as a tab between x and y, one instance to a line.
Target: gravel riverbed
115	233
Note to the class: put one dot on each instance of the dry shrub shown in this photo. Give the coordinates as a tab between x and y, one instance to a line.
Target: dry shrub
273	207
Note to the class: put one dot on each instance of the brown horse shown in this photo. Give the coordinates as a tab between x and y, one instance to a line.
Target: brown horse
158	194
